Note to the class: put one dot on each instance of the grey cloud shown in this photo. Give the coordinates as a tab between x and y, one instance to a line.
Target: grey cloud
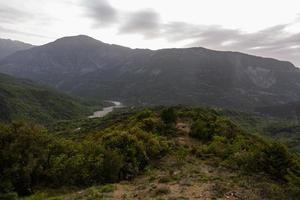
175	31
101	12
272	42
13	15
14	31
145	22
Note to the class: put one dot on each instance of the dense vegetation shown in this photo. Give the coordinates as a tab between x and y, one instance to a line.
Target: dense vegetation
121	146
22	99
285	130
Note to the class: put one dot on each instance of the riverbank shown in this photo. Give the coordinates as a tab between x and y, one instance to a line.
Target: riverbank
106	110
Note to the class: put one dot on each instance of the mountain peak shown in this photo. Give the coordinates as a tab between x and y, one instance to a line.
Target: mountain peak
78	38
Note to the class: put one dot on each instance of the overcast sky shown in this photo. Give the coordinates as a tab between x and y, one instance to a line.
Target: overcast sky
262	27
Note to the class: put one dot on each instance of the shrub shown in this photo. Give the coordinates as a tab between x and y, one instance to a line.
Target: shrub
277	160
136	148
144	114
112	165
226	128
168	116
22	153
202	130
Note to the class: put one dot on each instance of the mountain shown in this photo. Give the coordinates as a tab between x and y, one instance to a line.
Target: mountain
8	47
287	110
90	68
24	100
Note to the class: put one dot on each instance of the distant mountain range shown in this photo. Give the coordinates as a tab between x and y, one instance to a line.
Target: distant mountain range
83	66
24	100
8	47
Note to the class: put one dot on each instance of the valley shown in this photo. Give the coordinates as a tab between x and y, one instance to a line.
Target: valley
82	119
149	100
106	110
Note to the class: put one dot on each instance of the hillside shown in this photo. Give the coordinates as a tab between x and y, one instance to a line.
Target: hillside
8	47
86	67
289	110
24	100
157	153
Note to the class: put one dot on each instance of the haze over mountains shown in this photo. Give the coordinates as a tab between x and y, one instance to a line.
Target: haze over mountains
8	47
83	66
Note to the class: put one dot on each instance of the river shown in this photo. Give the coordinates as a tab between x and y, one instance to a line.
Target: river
106	110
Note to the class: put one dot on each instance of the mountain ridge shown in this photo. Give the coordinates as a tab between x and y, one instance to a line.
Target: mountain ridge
175	48
8	47
87	67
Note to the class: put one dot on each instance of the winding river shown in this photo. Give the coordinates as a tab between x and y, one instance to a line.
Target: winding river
106	110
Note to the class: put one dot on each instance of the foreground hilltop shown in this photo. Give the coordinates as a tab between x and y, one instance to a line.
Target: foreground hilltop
87	67
159	153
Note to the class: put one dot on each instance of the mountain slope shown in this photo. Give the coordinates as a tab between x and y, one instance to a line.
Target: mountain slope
287	110
8	47
22	99
90	68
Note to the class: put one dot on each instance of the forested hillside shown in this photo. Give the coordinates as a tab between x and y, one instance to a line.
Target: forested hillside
24	100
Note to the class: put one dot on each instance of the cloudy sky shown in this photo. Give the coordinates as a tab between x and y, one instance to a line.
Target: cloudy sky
262	27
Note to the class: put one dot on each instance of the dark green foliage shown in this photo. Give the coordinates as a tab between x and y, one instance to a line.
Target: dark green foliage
277	161
136	147
144	114
29	157
168	116
131	148
113	164
222	139
206	128
22	154
202	130
253	155
122	145
9	196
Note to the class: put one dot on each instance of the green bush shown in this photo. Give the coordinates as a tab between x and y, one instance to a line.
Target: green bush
168	116
277	160
29	157
23	151
202	130
144	114
226	128
136	147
